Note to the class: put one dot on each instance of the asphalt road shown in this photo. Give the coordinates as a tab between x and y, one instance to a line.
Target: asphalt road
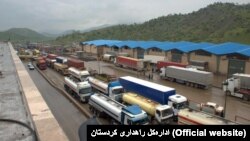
67	115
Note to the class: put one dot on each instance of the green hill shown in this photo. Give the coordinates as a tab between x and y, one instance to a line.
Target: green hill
219	22
22	35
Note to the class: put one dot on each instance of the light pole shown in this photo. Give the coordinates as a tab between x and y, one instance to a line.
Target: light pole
99	67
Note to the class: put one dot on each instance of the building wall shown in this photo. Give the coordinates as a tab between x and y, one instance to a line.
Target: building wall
223	66
212	61
87	48
169	56
106	49
93	49
247	67
129	51
184	58
157	53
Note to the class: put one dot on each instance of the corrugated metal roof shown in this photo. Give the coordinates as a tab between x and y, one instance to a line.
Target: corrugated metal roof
245	52
190	48
184	46
225	48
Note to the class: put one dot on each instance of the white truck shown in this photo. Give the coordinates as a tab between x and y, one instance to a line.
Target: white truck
238	86
80	75
80	90
157	113
189	76
126	115
112	89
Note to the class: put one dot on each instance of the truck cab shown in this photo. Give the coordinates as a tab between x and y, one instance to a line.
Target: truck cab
164	114
115	90
231	85
134	115
177	102
81	90
80	75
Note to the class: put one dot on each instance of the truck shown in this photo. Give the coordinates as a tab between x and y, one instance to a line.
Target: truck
50	60
79	64
161	94
112	89
80	90
61	68
61	65
100	104
79	75
41	64
238	86
108	57
128	62
189	76
157	113
163	64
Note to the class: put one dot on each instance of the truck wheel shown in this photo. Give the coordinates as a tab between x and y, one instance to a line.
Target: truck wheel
228	93
245	97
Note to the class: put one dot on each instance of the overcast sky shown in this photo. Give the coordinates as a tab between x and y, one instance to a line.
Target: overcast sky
60	15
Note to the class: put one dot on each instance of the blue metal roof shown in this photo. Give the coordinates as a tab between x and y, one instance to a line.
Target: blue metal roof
190	48
184	46
101	42
225	48
133	109
245	52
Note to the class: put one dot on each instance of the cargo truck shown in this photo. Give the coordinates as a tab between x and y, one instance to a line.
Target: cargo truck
156	92
61	68
188	76
128	62
238	86
80	90
108	57
79	75
163	64
120	114
41	64
157	113
61	65
113	89
79	64
50	60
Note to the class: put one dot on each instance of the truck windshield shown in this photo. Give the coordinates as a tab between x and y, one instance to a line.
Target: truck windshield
85	90
83	77
118	91
181	105
140	122
167	112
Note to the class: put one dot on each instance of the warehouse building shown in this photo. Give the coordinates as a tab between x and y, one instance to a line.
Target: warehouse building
225	58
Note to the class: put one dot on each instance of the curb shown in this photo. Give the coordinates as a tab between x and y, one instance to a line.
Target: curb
71	99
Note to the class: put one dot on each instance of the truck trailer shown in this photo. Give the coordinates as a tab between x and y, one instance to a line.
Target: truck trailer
156	92
80	75
128	62
79	64
238	86
120	114
113	89
80	90
188	76
41	64
163	64
50	60
161	114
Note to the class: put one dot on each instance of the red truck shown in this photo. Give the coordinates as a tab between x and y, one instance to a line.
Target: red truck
161	64
128	62
50	60
41	64
79	64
